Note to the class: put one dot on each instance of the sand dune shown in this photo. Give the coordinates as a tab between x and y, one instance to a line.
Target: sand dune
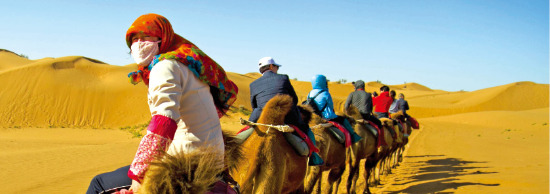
11	60
57	114
81	92
71	92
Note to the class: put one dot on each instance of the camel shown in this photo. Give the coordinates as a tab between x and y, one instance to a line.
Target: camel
193	172
272	164
390	160
331	150
384	151
365	149
407	130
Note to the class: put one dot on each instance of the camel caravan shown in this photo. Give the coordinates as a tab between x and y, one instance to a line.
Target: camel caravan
268	160
285	146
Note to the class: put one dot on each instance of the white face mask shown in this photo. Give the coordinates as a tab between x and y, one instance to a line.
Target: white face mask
144	51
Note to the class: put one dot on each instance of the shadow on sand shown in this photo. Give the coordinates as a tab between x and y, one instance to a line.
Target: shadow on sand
437	175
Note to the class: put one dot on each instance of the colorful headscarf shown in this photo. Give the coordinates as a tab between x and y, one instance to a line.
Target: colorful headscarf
173	46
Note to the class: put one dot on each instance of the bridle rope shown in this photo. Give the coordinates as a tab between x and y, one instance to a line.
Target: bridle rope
281	128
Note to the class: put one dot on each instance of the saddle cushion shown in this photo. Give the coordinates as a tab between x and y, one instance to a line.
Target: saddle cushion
343	130
337	134
307	140
244	133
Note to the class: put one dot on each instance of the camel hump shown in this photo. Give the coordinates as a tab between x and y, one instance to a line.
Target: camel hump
276	109
386	122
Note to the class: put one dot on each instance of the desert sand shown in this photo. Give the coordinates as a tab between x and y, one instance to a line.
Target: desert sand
61	120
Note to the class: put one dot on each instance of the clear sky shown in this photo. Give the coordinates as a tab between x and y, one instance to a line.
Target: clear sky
443	44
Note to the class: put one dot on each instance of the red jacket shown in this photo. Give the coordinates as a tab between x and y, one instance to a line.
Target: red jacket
382	102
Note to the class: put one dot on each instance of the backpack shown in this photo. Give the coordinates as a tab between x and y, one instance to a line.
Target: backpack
309	101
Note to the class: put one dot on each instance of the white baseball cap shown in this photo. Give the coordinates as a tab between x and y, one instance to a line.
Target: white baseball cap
267	61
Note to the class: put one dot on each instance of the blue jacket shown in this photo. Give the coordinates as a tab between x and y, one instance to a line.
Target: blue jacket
319	84
265	88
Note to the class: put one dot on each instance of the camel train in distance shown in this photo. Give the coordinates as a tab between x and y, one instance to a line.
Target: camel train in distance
266	163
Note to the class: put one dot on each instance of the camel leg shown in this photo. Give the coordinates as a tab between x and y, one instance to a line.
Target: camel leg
399	154
370	163
319	183
353	176
312	178
377	172
337	183
335	175
388	165
394	158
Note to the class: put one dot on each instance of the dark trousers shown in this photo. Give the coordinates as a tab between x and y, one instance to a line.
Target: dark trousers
295	118
110	180
342	120
375	120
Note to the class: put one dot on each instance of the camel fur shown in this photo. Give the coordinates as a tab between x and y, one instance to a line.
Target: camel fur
193	172
364	149
272	164
332	152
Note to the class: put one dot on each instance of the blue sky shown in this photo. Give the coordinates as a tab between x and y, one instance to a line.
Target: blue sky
443	44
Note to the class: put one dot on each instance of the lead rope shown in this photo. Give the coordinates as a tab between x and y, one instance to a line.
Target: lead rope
281	128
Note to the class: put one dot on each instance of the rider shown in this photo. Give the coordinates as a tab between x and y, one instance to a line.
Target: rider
393	106
187	92
382	102
363	101
323	100
402	105
271	84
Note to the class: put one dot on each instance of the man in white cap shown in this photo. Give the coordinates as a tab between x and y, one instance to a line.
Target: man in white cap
271	84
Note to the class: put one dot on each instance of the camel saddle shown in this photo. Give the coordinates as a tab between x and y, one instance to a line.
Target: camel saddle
377	132
347	136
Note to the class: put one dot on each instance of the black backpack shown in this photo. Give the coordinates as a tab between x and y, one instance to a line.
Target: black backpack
309	101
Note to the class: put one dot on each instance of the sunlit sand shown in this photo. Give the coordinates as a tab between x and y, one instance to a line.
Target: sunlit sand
60	121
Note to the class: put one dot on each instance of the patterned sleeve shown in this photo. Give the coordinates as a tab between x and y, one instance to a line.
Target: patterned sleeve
164	94
348	102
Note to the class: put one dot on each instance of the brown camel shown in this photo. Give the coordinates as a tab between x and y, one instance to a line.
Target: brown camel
407	130
272	164
332	152
384	151
391	159
364	149
193	172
